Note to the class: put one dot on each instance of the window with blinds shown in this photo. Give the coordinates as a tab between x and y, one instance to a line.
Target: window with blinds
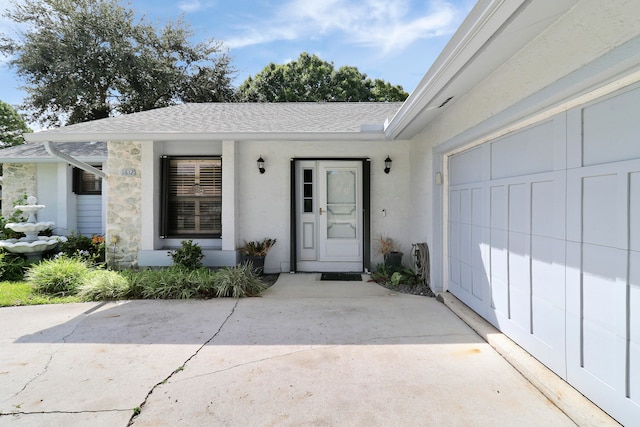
192	199
85	182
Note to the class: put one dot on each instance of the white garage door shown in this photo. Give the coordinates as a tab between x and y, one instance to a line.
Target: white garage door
544	242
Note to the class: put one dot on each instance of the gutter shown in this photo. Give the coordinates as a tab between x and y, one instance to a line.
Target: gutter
53	151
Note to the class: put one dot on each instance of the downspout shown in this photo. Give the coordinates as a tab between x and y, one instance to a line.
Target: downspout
53	151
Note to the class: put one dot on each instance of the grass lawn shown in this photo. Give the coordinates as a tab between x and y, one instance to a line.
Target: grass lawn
21	293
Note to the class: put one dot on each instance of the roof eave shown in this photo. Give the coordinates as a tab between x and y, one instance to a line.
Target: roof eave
204	136
493	32
480	26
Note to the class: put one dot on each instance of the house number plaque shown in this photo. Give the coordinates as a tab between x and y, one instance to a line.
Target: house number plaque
127	172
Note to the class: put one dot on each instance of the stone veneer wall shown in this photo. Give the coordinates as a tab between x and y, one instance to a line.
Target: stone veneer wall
18	179
124	199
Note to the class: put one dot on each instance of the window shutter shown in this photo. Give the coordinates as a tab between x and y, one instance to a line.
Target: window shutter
164	196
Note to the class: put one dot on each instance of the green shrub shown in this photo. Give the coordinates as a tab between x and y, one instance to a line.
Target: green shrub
171	283
91	249
395	276
12	267
189	255
239	281
59	276
101	285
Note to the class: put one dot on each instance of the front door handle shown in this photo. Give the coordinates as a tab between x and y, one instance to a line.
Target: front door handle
320	211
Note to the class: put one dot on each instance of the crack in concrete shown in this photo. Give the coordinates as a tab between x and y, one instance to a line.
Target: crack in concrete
63	341
316	348
95	411
138	409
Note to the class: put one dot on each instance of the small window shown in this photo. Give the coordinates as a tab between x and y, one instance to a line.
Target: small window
85	182
307	195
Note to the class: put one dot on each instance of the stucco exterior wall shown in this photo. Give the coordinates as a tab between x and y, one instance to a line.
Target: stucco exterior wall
421	181
264	200
589	30
18	179
124	203
260	203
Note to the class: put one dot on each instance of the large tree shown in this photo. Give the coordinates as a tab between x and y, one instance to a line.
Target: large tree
12	126
309	78
89	59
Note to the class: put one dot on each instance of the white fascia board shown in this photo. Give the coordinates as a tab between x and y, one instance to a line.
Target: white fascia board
205	136
480	26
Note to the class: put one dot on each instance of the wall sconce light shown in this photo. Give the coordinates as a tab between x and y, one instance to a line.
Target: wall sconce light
261	164
439	179
387	165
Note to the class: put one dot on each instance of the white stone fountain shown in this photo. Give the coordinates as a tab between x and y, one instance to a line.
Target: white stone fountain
31	245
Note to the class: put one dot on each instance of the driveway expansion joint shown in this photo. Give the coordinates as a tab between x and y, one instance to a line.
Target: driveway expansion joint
138	410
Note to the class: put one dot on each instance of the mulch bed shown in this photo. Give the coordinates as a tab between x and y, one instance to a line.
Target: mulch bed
420	289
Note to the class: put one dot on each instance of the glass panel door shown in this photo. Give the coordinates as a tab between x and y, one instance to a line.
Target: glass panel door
341	204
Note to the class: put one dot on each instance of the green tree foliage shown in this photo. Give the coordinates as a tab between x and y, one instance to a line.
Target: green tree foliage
311	79
89	59
12	126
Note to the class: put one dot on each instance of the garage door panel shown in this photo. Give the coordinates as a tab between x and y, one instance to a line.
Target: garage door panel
465	243
634	326
454	240
543	219
480	283
454	206
599	274
499	208
467	166
478	207
604	317
598	355
519	280
548	298
479	247
500	271
523	153
634	211
465	206
548	323
599	199
520	208
454	272
611	128
466	278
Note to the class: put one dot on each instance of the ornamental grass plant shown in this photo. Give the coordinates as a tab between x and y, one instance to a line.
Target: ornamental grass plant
61	276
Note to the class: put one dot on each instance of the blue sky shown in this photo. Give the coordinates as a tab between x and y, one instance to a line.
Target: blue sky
395	40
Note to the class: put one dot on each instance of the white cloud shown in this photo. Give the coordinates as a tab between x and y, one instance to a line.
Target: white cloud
191	6
383	24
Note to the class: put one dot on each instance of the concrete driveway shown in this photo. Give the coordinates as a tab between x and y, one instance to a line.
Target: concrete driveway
307	353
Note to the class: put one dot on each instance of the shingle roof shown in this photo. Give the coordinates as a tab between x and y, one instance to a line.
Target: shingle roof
248	119
35	150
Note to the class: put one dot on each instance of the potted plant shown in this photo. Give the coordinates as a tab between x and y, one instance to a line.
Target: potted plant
255	253
390	252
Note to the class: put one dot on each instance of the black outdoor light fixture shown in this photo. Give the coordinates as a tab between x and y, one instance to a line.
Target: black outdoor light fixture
387	165
261	164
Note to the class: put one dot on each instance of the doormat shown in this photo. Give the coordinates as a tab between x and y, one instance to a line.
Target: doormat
342	277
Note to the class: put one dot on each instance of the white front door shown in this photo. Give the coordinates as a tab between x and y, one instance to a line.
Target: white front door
329	210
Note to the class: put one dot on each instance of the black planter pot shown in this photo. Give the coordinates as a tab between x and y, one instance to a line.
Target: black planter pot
393	259
256	261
